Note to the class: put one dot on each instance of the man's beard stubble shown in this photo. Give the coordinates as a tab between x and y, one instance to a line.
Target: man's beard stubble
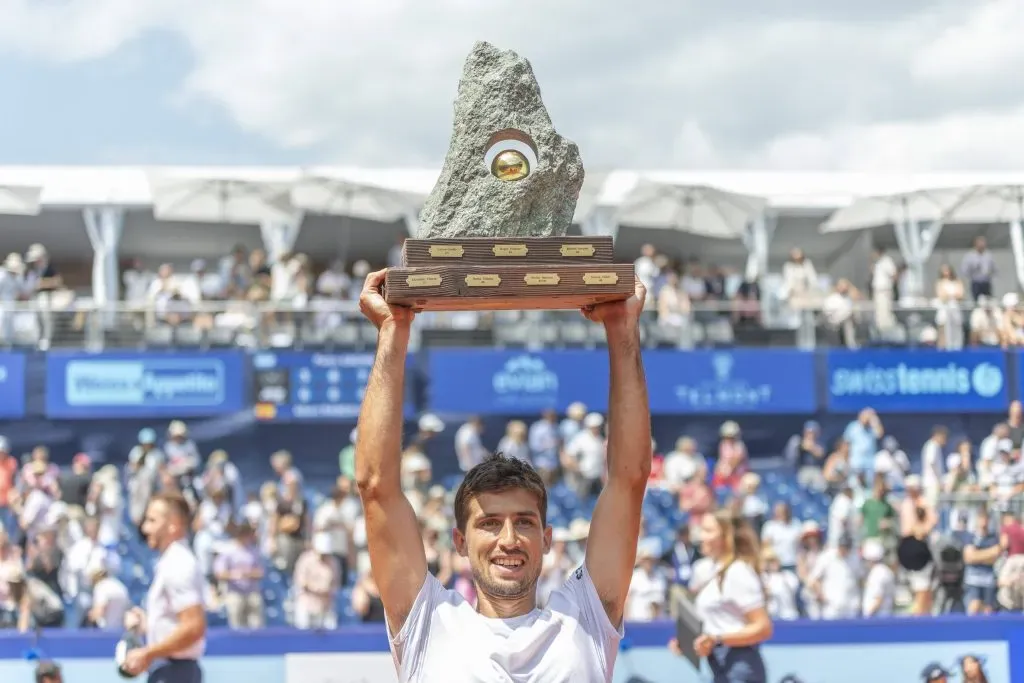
504	589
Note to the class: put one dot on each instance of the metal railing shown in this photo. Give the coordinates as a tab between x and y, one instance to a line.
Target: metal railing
64	321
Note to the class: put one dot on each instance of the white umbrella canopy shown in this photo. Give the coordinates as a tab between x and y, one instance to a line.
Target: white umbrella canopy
20	200
696	209
872	212
222	200
989	204
338	196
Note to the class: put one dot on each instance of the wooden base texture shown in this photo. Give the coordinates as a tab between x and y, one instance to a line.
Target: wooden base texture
485	251
458	287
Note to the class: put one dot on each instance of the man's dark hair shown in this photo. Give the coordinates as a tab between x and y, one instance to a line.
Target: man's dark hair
176	504
495	474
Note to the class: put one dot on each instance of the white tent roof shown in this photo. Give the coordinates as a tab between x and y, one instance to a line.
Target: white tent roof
76	186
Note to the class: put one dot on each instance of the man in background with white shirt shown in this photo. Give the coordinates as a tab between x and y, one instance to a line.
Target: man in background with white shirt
933	462
175	616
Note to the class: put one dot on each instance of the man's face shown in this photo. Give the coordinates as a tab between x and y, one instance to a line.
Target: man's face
504	542
156	525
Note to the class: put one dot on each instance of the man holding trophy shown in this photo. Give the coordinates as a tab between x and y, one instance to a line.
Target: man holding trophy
168	638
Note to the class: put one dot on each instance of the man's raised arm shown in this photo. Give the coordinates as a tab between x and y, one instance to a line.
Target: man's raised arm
397	559
615	527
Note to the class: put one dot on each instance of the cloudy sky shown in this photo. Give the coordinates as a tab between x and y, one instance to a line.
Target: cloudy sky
778	84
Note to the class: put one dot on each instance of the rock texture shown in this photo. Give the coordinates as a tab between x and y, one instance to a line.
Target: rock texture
498	91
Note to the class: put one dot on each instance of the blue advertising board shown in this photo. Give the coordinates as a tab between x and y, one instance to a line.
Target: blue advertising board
917	381
737	382
120	385
295	385
742	381
12	385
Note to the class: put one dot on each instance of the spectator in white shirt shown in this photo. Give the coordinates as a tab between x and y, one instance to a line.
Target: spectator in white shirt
781	587
989	448
892	462
880	583
514	443
682	464
782	534
584	458
334	283
883	289
648	589
932	463
106	503
110	599
841	513
836	581
469	446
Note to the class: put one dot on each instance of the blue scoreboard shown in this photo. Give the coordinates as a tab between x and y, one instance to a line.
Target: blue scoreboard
301	386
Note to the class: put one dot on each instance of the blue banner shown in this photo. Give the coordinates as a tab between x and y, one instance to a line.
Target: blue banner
119	385
733	382
487	381
920	381
294	385
12	385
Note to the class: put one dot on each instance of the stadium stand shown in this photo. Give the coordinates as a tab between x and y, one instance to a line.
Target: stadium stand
279	529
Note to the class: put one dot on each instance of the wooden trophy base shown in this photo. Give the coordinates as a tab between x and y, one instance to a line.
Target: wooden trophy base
501	287
491	274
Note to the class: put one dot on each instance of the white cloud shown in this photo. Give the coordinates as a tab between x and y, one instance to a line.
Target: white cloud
915	84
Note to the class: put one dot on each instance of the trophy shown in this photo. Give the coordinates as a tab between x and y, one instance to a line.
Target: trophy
493	232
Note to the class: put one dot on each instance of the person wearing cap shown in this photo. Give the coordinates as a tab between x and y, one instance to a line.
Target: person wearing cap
317	579
648	587
110	599
427	428
174	619
935	673
333	520
835	581
782	587
501	529
584	458
544	445
879	581
41	281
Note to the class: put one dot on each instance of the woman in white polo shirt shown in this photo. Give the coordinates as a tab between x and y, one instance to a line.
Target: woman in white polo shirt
732	606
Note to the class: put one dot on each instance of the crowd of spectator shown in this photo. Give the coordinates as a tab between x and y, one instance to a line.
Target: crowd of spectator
900	534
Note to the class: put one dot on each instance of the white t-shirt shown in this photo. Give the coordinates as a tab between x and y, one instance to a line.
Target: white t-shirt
112	595
589	450
784	539
721	605
330	518
177	585
112	512
645	590
880	583
782	588
445	640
